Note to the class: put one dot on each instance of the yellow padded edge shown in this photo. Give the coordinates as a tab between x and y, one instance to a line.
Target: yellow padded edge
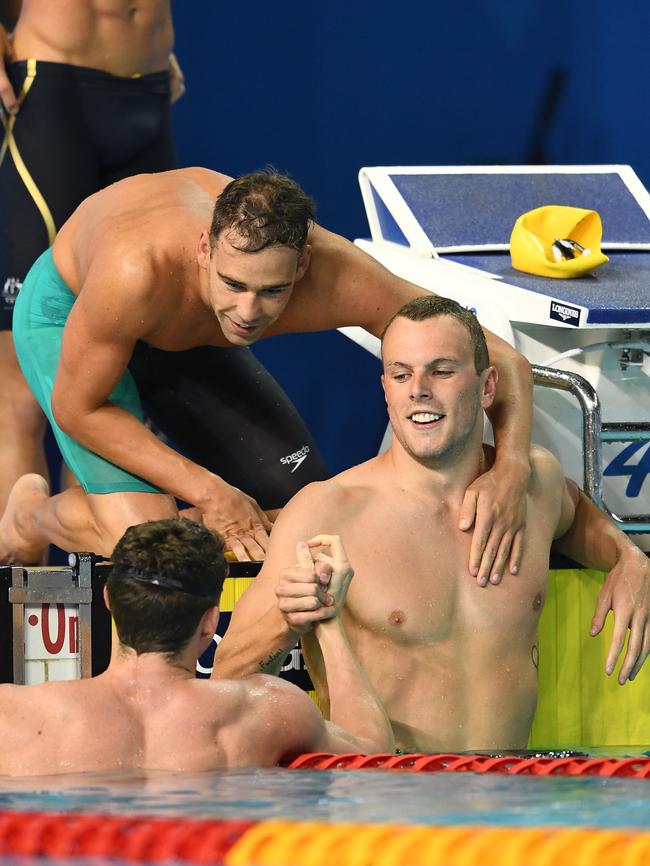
579	705
293	843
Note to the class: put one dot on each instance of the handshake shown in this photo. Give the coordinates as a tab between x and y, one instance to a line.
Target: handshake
315	589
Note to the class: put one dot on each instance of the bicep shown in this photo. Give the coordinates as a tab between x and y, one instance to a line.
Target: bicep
568	505
93	358
102	328
281	553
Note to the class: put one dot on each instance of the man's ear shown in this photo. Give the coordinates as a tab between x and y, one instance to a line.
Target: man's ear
490	377
209	620
204	250
107	600
303	262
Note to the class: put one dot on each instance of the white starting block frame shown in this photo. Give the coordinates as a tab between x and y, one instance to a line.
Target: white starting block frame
446	228
52	620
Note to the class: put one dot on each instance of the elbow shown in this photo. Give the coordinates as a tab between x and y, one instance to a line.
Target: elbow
526	370
62	414
70	419
523	370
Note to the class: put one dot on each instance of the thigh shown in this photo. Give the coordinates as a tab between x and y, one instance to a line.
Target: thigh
46	171
223	410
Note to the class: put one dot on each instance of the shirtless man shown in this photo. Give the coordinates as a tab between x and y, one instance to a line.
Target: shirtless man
454	664
85	88
162	264
148	710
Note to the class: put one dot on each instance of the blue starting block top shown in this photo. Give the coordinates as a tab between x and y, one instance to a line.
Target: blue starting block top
480	210
466	214
616	294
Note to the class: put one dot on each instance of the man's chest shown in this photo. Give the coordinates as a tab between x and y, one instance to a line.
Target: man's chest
179	322
415	590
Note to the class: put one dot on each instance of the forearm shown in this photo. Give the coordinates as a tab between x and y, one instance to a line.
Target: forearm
354	705
258	648
511	413
121	438
593	539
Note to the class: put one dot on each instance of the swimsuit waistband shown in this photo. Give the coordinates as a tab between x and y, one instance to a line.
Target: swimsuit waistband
89	75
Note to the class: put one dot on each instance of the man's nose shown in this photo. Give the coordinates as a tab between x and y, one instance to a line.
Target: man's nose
420	387
249	306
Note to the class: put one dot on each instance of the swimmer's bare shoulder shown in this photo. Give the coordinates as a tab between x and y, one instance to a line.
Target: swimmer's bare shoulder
150	214
327	507
260	719
343	286
322	507
551	495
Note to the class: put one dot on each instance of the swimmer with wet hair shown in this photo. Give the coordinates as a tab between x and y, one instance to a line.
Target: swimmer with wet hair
148	711
454	664
147	302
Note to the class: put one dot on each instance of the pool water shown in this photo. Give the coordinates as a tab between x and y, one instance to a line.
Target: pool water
363	796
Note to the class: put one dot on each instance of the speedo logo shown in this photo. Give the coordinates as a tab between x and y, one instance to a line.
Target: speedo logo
294	460
565	313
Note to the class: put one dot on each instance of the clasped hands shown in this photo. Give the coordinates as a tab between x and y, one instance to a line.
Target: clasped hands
314	590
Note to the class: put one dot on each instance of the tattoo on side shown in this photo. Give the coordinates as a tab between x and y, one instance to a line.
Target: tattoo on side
534	654
264	666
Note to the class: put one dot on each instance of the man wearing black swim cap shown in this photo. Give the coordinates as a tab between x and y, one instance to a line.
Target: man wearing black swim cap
148	710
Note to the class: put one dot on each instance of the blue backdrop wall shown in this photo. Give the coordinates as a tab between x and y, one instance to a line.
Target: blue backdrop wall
319	90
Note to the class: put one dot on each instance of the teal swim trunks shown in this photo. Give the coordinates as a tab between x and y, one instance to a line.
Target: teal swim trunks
41	310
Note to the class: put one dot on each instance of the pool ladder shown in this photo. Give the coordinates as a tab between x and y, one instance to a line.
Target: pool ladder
594	433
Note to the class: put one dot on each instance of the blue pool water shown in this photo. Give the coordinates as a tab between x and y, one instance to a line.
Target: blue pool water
337	796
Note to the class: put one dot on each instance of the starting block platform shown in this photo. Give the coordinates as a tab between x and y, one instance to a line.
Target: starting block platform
447	229
465	215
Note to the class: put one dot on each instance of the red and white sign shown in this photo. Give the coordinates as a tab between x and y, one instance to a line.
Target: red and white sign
51	643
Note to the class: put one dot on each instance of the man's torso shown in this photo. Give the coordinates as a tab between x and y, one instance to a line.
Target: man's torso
122	37
455	664
156	219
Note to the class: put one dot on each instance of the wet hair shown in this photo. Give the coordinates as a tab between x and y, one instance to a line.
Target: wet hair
431	306
165	575
263	209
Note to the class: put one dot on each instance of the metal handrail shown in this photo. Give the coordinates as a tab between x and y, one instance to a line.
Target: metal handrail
593	434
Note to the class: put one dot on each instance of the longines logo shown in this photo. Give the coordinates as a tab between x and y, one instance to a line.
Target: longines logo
565	313
10	291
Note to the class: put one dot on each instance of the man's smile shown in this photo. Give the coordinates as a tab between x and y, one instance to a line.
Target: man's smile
426	420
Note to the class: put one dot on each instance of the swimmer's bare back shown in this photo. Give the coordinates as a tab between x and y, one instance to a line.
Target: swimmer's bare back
122	37
144	232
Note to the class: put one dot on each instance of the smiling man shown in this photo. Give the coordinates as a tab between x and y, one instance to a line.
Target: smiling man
152	293
454	665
